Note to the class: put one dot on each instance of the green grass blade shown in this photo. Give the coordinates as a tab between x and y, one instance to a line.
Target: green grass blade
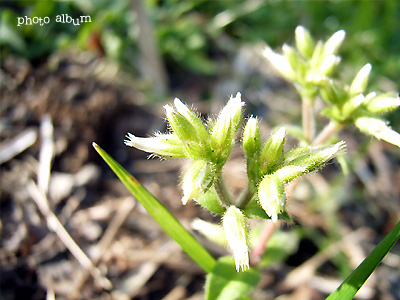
161	214
351	285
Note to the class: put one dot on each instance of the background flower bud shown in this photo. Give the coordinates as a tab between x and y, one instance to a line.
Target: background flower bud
280	63
382	103
235	230
329	64
334	42
351	105
304	42
360	82
291	55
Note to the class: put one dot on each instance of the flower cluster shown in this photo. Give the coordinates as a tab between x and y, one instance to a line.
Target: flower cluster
207	145
310	68
269	167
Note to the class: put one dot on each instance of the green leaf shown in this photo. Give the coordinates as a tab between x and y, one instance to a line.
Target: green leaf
161	215
9	36
224	283
351	285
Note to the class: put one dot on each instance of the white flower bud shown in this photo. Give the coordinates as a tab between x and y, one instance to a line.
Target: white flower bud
271	195
291	56
235	230
360	82
304	42
163	144
334	42
280	63
328	64
382	103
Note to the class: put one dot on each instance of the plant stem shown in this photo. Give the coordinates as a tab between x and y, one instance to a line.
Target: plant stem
326	133
223	192
308	119
259	248
244	197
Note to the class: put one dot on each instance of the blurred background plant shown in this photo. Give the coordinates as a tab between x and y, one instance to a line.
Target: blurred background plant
202	51
189	33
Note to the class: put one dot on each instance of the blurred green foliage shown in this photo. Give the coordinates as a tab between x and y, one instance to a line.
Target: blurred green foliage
187	32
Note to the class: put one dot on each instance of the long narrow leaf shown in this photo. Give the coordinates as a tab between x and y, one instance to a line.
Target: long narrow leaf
161	214
351	285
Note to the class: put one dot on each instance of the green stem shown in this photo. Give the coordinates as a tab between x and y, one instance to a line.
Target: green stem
223	192
308	120
244	197
326	133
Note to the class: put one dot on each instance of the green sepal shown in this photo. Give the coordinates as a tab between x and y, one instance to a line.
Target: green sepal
379	129
272	150
210	201
255	211
195	120
291	56
186	133
224	128
317	157
288	173
318	55
252	138
382	103
198	178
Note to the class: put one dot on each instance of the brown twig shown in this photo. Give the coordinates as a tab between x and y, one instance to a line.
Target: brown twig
55	225
123	212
